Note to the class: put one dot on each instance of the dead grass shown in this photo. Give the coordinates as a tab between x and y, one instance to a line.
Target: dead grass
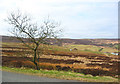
78	61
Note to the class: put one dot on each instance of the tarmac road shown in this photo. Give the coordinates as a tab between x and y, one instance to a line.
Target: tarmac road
17	77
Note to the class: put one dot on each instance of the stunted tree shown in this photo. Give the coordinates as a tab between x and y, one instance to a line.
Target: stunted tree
22	27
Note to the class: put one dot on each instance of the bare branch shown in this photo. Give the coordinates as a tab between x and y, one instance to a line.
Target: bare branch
24	28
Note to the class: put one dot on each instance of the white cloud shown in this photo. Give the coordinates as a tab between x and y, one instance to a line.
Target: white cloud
75	15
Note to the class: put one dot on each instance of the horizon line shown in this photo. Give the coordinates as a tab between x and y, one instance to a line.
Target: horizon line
76	38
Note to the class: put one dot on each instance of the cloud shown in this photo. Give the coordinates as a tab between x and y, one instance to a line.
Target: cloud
78	17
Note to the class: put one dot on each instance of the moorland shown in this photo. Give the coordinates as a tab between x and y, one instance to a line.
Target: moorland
72	55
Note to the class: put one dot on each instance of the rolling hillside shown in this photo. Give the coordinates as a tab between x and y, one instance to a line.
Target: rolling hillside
96	42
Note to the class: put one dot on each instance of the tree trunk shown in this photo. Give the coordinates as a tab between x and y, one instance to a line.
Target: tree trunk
35	58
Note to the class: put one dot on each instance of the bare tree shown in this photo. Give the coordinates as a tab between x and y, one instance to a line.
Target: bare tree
24	28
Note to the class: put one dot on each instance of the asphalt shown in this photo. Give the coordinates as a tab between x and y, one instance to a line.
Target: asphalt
17	77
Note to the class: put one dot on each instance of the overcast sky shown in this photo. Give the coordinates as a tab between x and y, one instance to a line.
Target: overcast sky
79	18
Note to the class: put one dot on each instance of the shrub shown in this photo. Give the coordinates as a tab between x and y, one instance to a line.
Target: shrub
28	64
66	68
94	72
17	64
77	70
47	66
42	66
58	67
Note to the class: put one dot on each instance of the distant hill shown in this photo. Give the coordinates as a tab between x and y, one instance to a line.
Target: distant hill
97	42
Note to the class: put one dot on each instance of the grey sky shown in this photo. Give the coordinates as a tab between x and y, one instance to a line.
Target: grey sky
79	18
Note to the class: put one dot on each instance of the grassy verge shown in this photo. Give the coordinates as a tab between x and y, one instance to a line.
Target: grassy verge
62	75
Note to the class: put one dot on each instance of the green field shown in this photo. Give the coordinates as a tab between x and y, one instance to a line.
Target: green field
90	48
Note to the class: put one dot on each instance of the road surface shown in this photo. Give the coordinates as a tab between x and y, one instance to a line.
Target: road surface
17	77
